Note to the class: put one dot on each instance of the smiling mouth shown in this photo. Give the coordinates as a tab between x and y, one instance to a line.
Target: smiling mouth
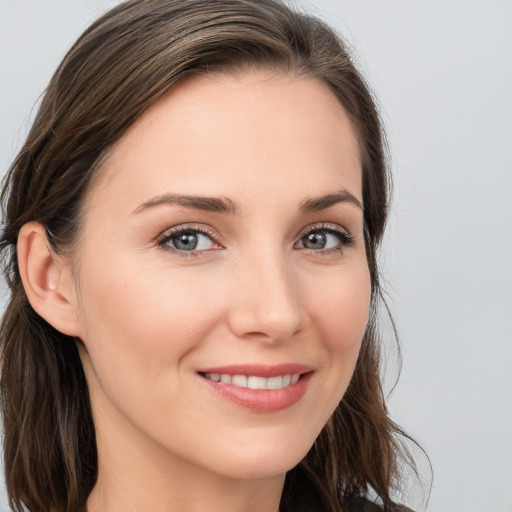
253	381
259	388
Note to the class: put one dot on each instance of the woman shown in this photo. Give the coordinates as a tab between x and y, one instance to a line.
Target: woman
190	237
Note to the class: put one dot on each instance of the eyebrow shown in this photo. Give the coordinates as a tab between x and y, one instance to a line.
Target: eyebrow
228	206
210	204
316	204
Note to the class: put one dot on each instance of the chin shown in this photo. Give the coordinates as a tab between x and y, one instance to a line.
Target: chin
258	461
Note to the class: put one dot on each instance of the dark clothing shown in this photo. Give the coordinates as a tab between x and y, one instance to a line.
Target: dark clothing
364	505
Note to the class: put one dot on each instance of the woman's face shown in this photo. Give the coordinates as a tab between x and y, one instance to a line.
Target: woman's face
223	237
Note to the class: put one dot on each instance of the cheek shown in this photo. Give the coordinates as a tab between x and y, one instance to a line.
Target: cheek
342	318
138	334
342	312
152	318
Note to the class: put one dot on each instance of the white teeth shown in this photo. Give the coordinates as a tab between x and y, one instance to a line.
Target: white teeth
275	382
257	382
239	380
253	381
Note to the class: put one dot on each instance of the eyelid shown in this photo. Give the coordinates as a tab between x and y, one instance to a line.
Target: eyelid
344	236
202	229
324	226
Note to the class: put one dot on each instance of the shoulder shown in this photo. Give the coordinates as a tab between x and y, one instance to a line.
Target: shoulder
360	504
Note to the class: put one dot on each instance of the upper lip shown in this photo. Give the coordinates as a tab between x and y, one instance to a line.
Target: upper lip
260	370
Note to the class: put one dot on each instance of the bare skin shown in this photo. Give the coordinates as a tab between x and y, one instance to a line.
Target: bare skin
262	282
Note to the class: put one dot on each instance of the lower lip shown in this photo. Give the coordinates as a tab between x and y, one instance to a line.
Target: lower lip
261	400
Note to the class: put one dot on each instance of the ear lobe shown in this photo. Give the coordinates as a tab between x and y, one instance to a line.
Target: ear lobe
47	279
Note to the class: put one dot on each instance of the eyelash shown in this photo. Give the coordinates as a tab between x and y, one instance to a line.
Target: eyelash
171	233
343	236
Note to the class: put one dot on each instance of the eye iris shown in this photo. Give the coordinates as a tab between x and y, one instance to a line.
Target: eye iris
316	240
186	241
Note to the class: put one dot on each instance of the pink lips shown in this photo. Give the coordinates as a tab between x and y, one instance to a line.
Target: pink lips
260	400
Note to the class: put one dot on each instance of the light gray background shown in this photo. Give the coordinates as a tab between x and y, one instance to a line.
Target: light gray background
442	70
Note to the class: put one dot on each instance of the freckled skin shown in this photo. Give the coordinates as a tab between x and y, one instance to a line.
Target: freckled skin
150	317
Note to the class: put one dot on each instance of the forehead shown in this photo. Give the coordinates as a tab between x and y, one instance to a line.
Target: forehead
221	134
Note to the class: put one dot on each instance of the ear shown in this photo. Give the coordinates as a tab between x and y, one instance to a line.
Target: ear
47	279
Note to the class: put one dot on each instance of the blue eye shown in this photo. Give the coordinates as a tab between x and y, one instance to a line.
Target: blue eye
189	241
186	239
324	239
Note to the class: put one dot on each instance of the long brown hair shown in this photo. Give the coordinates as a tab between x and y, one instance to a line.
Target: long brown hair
121	65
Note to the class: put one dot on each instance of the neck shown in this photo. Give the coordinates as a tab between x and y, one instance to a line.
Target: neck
135	474
188	492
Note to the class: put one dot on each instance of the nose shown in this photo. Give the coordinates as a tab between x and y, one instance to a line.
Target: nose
266	303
